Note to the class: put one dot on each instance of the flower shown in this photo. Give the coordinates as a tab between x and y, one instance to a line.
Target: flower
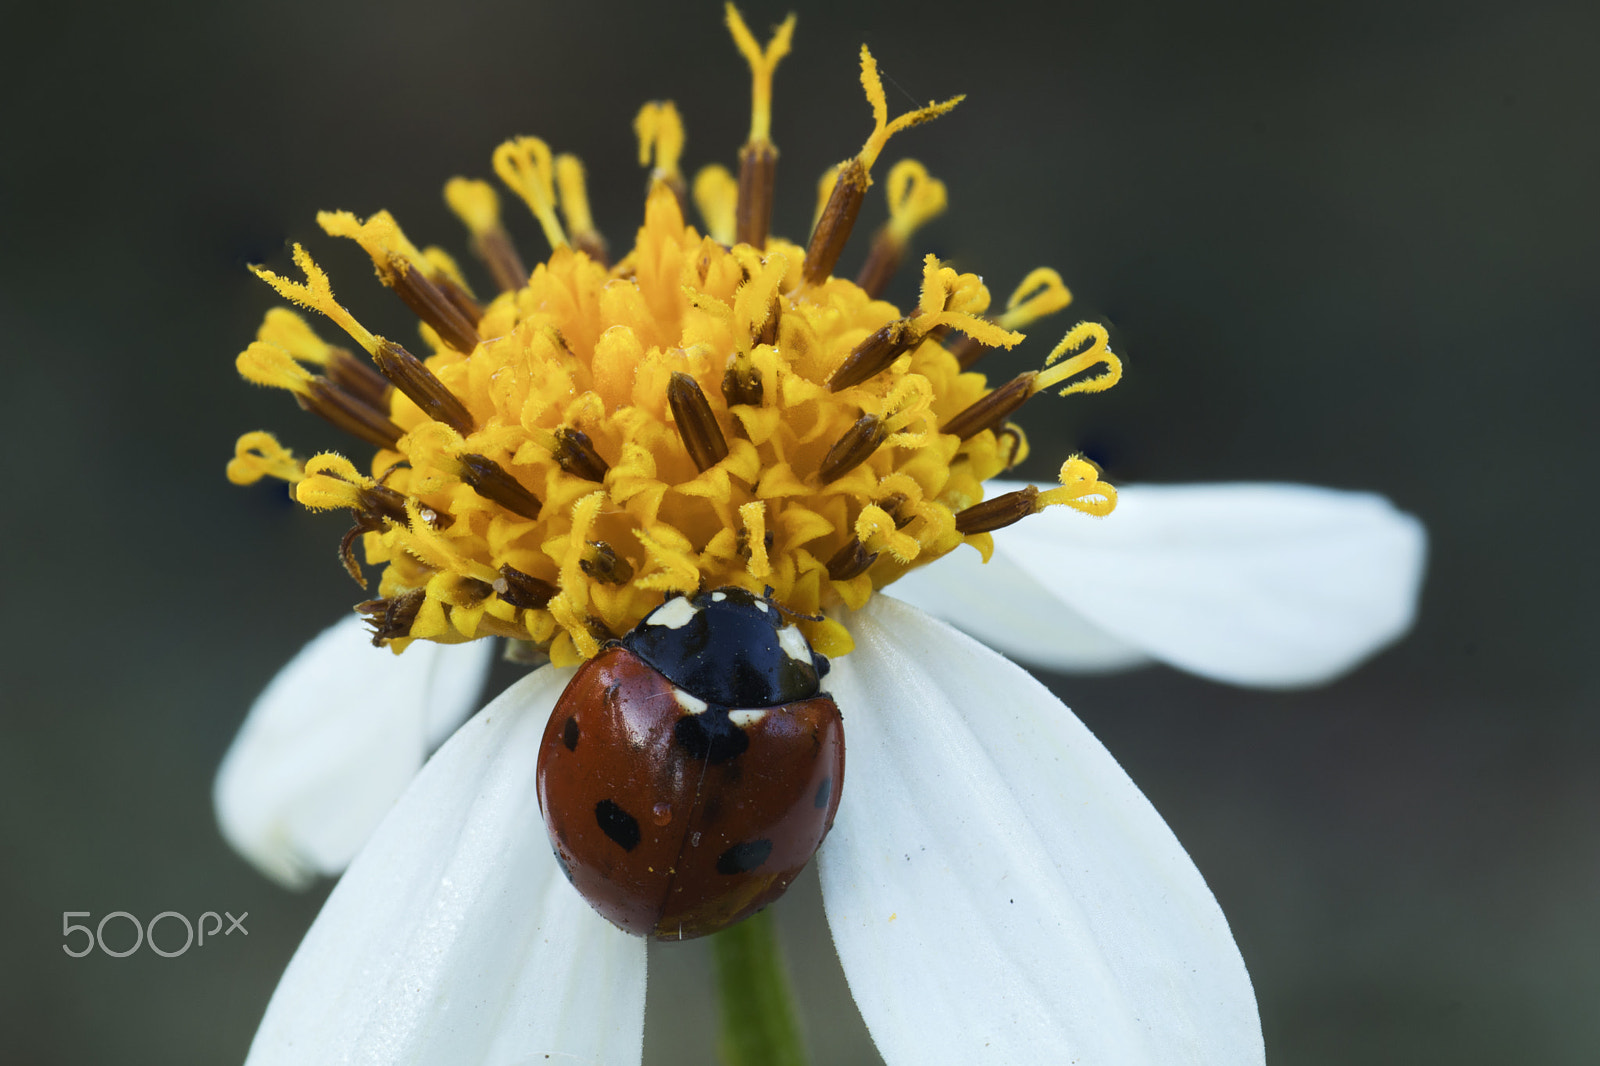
710	410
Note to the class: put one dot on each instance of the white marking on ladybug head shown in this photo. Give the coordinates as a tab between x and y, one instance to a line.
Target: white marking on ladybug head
761	605
674	614
718	597
746	719
793	643
691	704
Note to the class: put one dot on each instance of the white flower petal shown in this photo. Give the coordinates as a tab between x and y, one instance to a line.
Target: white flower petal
1257	584
999	891
1006	607
454	937
333	741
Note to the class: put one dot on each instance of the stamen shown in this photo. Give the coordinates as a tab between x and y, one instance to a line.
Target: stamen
476	204
992	409
758	159
853	449
575	206
392	618
915	199
399	268
575	454
491	481
742	382
601	562
524	164
660	132
522	590
716	196
350	413
875	354
412	377
697	425
1004	510
358	377
850	561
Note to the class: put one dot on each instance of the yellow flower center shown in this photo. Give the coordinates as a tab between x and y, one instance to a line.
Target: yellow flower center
713	409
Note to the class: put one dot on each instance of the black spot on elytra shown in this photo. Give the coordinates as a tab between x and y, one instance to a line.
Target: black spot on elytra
742	858
618	824
824	791
569	733
709	735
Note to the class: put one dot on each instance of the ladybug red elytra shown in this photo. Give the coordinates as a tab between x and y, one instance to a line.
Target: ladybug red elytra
691	770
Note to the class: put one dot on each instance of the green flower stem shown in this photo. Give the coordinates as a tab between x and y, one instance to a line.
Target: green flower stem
760	1024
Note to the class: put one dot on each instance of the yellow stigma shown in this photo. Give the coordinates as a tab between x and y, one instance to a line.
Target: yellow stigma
762	64
705	412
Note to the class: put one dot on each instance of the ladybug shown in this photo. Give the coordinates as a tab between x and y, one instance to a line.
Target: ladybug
691	769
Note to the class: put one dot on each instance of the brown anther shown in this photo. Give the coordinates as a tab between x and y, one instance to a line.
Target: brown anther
875	354
460	299
429	303
697	425
491	481
991	410
894	505
883	259
852	449
495	250
412	377
392	618
523	590
838	218
997	513
473	591
758	165
349	413
769	328
359	378
590	243
576	455
374	503
742	384
602	563
850	561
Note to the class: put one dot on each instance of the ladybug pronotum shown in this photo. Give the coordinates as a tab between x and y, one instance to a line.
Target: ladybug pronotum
691	770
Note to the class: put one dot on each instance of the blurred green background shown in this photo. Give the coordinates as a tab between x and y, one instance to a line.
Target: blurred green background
1352	244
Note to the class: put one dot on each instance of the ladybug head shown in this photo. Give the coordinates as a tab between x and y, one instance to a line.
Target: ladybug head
730	648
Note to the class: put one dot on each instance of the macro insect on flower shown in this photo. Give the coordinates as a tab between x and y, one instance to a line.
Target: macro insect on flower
712	414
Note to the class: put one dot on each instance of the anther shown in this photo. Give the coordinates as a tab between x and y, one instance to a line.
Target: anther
875	354
838	219
850	561
477	205
412	377
602	563
993	408
523	590
742	384
429	303
853	449
894	506
357	377
758	168
392	618
1002	511
347	555
697	425
491	481
349	413
575	454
